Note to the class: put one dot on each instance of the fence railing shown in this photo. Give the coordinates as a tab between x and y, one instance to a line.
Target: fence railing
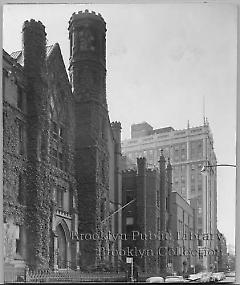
13	275
66	275
73	276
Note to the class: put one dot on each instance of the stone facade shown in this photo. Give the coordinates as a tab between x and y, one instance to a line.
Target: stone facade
183	224
62	175
148	215
161	214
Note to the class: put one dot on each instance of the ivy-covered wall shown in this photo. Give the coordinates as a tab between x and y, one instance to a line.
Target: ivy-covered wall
14	163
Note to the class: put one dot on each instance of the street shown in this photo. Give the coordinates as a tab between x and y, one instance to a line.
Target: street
228	280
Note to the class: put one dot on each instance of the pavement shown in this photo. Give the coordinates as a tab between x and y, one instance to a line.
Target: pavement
228	280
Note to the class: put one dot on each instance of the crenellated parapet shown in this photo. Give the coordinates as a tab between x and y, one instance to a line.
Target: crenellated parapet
116	125
86	15
34	49
34	26
87	35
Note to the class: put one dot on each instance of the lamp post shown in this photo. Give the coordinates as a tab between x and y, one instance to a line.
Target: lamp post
204	171
205	167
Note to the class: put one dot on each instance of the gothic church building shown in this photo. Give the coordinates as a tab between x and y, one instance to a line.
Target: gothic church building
61	154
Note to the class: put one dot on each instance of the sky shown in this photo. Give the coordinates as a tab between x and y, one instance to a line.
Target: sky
166	64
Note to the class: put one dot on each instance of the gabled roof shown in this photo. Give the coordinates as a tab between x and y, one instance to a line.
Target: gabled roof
18	55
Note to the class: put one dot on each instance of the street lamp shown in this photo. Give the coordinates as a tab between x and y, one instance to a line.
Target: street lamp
205	171
108	217
205	167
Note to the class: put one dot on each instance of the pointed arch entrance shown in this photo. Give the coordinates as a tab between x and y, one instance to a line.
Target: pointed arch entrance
62	247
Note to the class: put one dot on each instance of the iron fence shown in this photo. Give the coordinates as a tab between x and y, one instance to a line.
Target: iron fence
66	275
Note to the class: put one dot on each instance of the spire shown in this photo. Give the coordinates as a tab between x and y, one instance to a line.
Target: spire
169	166
204	118
161	159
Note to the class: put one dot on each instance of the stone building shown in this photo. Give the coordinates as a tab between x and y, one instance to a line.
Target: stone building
148	216
183	225
61	154
189	150
159	213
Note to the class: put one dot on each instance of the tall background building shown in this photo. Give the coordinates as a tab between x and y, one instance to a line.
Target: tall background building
189	150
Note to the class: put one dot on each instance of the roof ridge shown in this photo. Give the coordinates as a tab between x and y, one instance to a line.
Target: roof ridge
18	55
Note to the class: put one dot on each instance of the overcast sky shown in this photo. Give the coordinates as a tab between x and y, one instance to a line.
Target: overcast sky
163	62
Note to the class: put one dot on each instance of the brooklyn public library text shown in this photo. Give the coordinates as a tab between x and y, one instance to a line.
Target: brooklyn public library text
161	251
137	235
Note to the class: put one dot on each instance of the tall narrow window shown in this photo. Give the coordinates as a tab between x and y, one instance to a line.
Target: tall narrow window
20	195
102	209
18	241
60	156
103	171
60	197
21	138
61	132
19	98
56	150
4	74
55	130
158	198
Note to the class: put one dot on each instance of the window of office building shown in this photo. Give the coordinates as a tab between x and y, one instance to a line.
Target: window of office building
200	149
199	200
183	168
192	178
150	158
196	149
199	187
183	153
176	154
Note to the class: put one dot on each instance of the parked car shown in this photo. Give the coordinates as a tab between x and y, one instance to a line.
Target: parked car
195	277
218	276
230	274
206	277
155	279
176	279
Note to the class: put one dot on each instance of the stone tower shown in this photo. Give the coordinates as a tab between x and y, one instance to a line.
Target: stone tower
87	69
37	200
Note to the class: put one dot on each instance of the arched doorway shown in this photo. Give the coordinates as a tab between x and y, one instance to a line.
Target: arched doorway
62	247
